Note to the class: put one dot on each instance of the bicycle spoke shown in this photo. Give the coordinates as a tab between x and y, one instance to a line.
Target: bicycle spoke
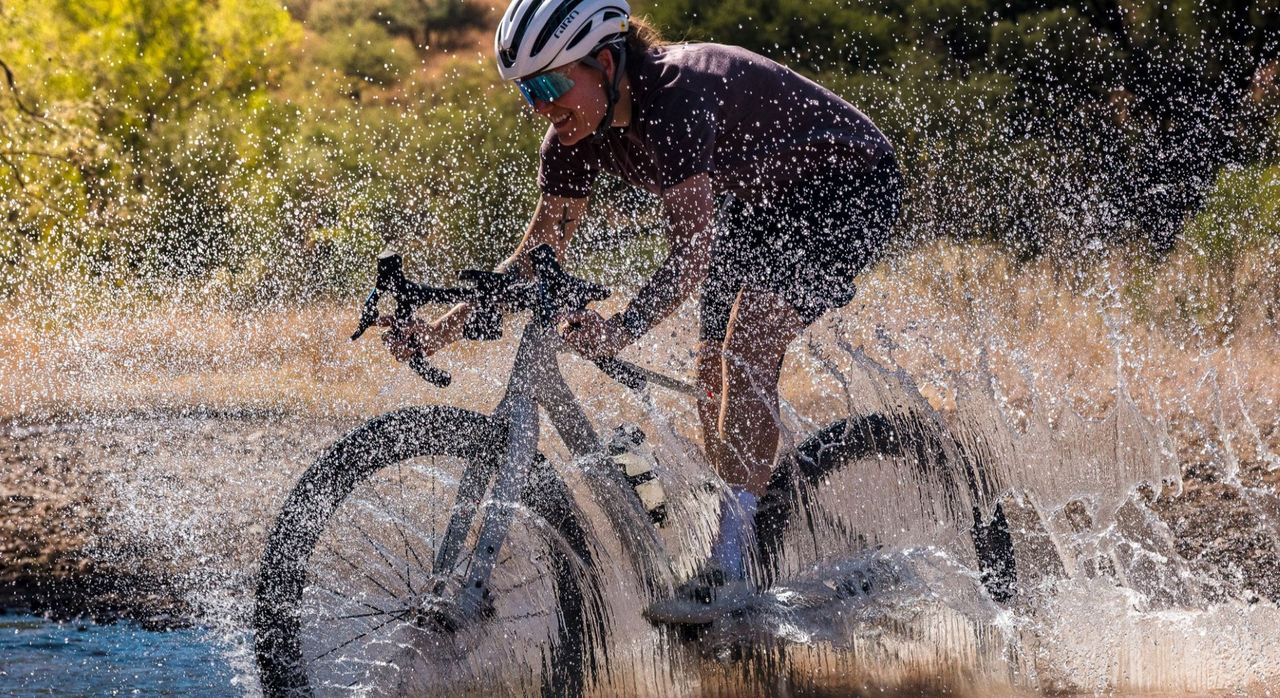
522	584
365	574
404	515
361	636
401	523
378	548
343	597
435	519
527	616
437	480
357	616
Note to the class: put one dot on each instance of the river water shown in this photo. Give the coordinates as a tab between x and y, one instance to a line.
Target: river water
41	657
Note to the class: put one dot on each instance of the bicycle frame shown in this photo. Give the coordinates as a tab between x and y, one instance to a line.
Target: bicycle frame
535	381
518	474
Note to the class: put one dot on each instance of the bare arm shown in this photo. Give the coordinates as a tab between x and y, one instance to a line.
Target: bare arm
690	211
555	221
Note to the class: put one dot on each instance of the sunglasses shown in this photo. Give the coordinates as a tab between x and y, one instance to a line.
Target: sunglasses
545	87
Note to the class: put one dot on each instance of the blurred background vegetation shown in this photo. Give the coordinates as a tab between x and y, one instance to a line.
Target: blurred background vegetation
252	150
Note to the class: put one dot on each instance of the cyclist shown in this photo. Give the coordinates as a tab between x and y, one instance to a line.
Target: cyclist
777	194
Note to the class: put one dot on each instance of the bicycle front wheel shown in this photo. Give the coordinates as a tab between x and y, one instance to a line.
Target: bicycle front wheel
360	569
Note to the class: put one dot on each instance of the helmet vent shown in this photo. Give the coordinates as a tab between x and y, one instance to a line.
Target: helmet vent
577	39
517	38
553	24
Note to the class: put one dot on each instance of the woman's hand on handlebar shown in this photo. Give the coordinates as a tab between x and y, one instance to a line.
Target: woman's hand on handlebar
593	336
404	340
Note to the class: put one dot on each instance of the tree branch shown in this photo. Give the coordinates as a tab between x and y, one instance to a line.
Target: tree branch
8	76
38	154
14	170
17	98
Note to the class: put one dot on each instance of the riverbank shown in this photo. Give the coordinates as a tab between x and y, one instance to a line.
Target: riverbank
161	518
146	448
127	516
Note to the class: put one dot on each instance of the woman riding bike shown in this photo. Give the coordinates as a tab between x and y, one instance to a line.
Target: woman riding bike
777	194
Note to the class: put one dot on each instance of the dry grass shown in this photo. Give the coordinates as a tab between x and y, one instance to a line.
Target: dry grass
1054	342
942	312
174	357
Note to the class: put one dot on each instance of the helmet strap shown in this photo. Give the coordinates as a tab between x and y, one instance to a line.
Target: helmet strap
612	87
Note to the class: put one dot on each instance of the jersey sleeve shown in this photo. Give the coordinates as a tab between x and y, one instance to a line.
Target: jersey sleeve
682	134
566	170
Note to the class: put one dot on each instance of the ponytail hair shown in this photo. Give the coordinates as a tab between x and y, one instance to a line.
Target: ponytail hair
642	36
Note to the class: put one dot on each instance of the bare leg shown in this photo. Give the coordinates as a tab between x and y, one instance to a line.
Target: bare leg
710	376
739	431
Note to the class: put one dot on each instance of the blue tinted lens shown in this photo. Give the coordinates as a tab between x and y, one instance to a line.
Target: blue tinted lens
546	87
524	90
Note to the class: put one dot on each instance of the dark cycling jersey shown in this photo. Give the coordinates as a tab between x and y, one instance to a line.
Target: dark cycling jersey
720	110
808	188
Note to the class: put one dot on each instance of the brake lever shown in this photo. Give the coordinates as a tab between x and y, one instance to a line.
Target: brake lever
369	315
418	360
435	376
408	297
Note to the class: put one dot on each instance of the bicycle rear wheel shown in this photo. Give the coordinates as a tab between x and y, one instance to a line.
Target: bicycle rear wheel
848	441
351	593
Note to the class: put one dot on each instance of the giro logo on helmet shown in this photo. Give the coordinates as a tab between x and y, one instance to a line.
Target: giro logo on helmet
565	24
535	36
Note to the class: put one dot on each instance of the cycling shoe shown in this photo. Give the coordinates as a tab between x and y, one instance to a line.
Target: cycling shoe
702	600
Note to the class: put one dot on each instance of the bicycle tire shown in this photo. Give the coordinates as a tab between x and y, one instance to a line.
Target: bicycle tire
396	438
846	441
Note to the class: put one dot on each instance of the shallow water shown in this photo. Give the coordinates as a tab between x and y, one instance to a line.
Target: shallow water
40	657
1127	580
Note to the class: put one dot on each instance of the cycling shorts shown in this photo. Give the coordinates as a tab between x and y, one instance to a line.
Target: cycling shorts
806	241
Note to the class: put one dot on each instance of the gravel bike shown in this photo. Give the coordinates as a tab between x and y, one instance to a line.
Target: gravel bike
429	528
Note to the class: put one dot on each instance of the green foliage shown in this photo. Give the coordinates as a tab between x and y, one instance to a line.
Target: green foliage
1232	255
1242	212
184	139
1055	47
90	136
366	54
810	35
277	148
426	23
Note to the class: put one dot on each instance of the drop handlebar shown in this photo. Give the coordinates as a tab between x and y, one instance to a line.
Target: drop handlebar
549	293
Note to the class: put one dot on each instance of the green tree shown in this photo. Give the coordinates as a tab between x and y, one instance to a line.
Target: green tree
366	55
431	23
100	156
426	23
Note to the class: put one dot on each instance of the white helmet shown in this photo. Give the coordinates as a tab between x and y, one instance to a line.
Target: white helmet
539	35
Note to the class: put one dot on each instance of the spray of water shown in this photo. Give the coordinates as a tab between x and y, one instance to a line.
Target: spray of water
1081	491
